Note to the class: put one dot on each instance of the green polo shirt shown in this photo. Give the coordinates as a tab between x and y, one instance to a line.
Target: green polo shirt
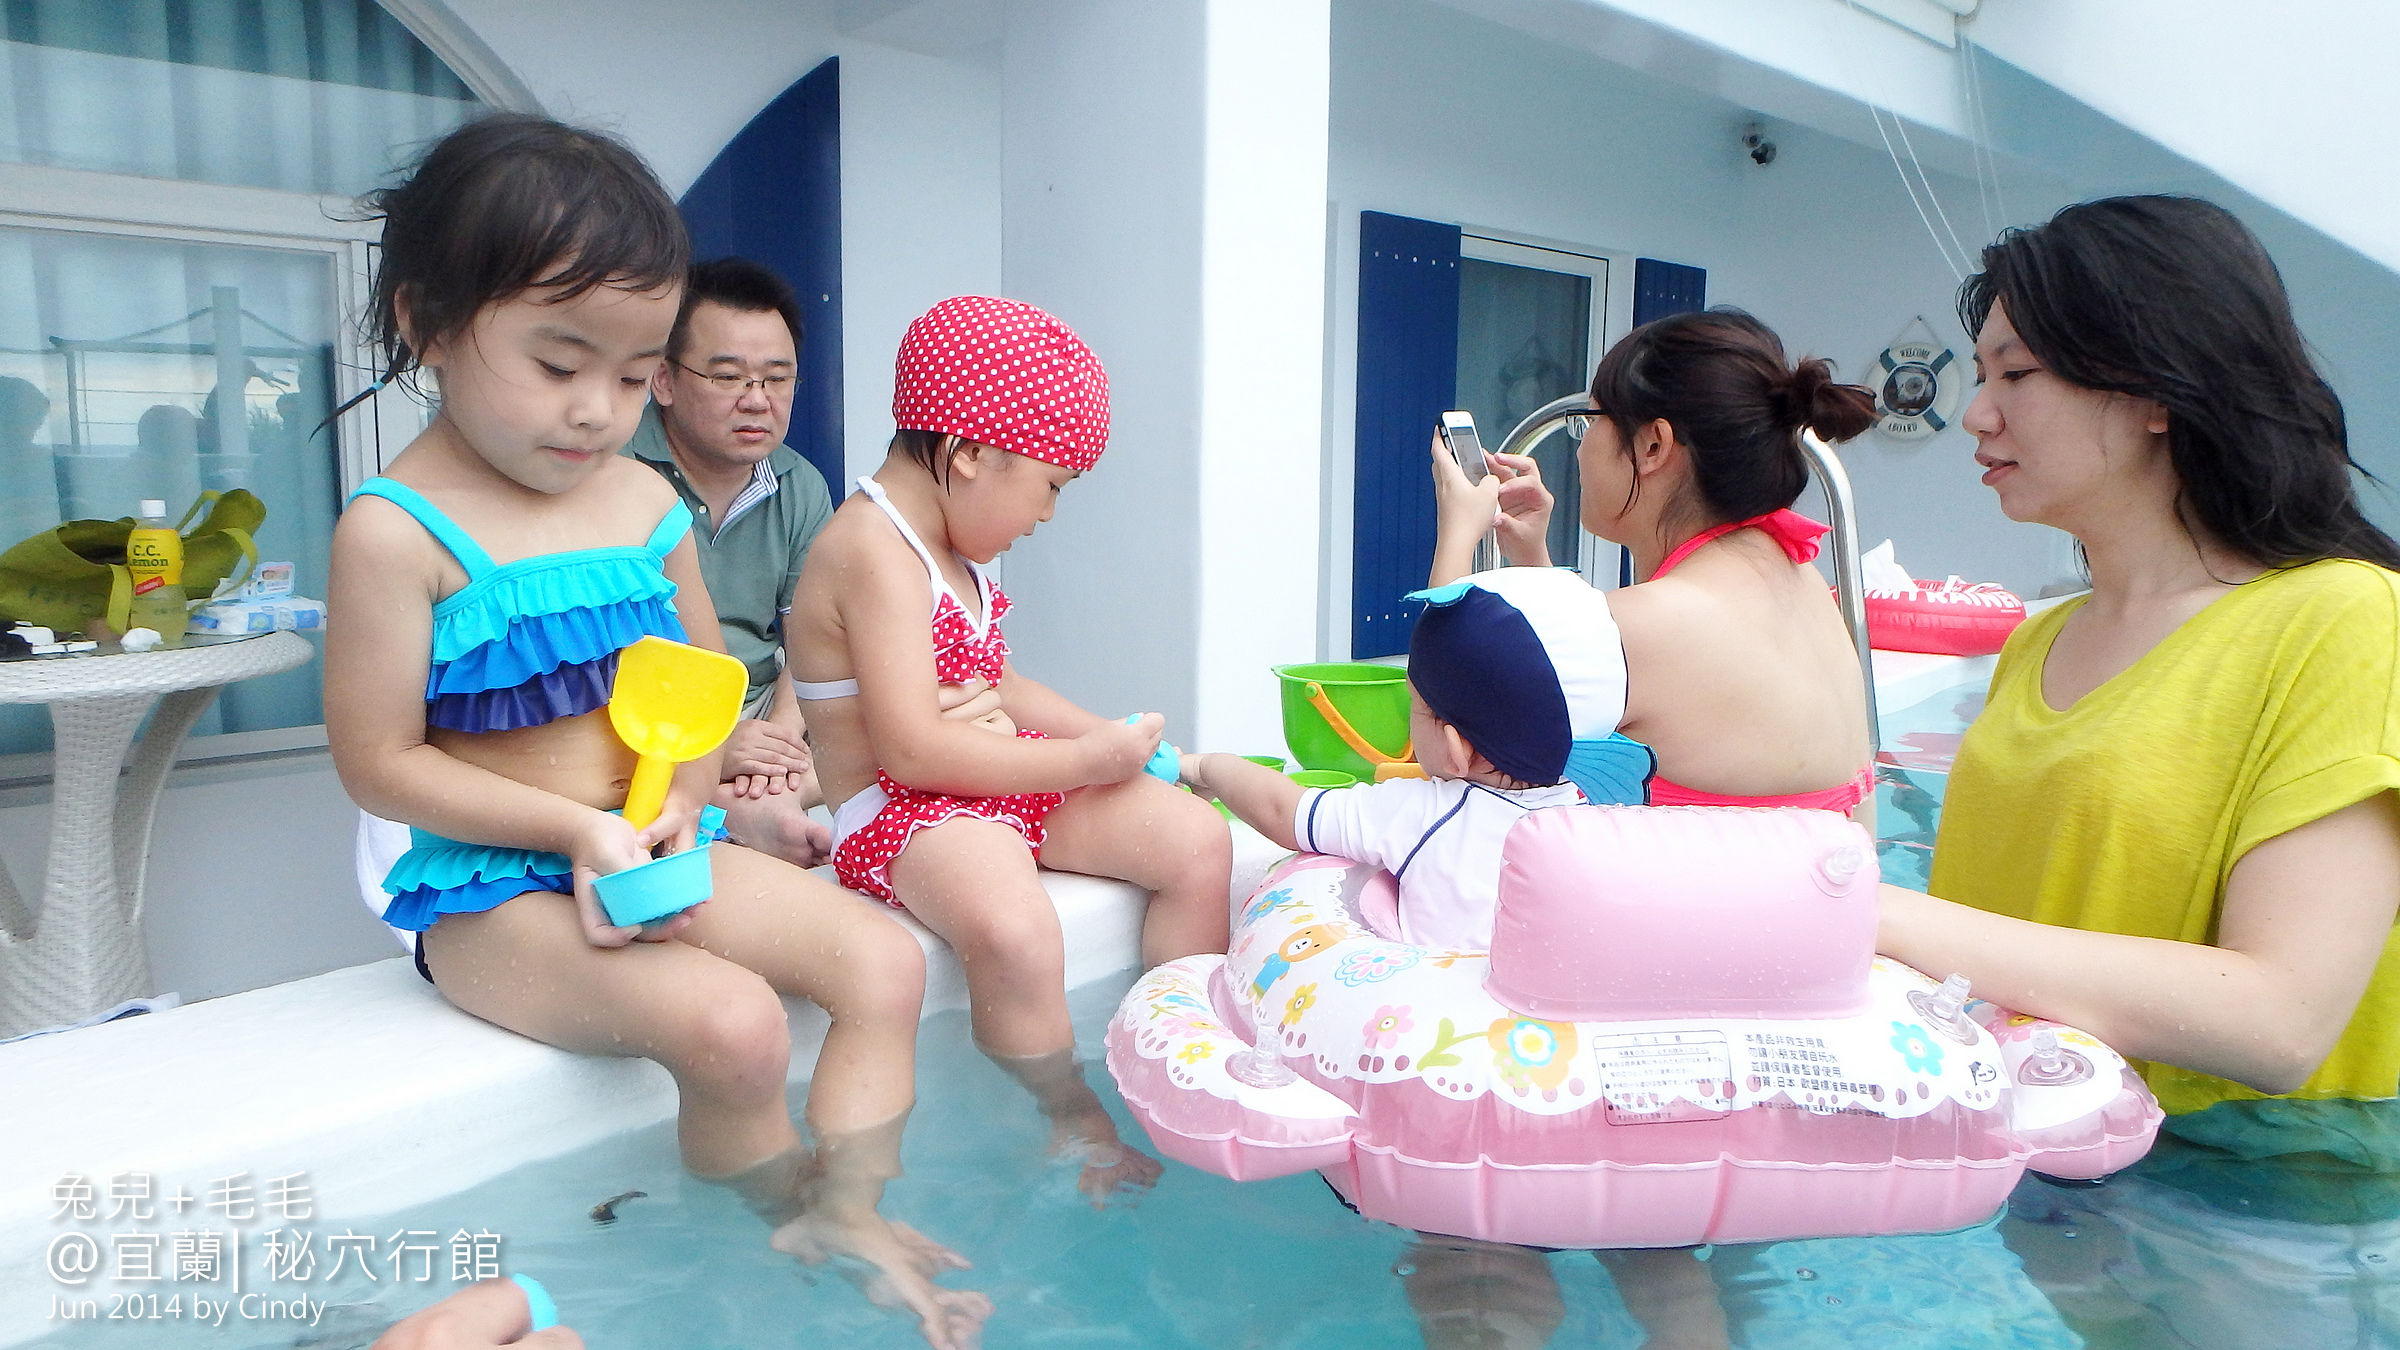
751	559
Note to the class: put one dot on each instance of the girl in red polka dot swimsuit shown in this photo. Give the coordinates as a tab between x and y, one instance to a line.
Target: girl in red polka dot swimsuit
897	650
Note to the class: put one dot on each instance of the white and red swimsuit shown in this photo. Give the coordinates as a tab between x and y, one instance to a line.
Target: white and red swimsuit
871	829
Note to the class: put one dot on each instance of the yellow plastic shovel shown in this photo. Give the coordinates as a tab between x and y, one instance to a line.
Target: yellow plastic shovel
671	703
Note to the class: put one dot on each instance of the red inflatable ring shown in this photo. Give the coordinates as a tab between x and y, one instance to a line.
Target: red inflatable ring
1945	618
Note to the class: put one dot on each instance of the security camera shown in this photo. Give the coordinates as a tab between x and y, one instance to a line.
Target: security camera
1762	150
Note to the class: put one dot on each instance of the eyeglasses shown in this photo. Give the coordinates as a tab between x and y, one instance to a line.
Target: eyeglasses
734	385
1580	423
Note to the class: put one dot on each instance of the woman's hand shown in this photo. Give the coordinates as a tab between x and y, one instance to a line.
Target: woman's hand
1116	751
1463	511
1525	503
1510	498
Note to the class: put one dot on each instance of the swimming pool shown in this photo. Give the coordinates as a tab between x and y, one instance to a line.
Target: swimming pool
1920	740
1199	1262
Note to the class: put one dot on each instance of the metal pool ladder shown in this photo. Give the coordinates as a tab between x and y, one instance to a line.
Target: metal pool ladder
1849	587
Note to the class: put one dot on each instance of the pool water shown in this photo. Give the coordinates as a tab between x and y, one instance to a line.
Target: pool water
1919	744
1199	1263
1204	1263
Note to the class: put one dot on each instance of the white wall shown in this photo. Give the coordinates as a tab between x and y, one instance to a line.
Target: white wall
2347	304
2294	103
920	213
920	143
250	876
1539	136
1101	198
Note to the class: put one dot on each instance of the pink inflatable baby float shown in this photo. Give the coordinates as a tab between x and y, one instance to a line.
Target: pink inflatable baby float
1680	1035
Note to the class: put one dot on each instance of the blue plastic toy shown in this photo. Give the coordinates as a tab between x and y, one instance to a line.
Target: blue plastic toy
1165	763
538	1302
662	887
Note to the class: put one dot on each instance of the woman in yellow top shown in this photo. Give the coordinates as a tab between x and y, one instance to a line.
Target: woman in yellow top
2173	823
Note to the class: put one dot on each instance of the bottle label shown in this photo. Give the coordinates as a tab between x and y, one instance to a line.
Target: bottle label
148	584
154	555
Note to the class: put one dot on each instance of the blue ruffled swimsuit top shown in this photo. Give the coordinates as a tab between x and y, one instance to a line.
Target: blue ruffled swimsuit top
527	642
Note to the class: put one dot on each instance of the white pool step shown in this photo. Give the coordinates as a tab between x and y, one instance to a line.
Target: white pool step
370	1083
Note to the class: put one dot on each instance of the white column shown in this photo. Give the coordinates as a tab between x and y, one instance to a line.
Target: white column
1163	191
1100	224
1262	357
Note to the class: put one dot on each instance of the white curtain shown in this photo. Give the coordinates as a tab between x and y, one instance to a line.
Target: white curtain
303	95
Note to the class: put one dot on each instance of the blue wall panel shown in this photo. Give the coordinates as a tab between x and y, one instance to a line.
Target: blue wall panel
1407	377
774	194
1664	288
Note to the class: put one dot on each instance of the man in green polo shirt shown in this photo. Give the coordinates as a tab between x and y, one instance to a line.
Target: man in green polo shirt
720	407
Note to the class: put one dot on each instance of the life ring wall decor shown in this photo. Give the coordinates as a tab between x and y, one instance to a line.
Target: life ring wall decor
1919	383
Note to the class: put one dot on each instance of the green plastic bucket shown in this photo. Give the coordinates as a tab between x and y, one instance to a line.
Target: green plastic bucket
1372	698
1322	778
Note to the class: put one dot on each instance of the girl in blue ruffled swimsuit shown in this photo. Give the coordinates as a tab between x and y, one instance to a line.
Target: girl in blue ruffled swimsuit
486	585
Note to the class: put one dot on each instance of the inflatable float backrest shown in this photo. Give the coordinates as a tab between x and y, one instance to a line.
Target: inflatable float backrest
1613	913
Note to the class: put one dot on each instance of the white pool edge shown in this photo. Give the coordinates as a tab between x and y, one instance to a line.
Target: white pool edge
377	1089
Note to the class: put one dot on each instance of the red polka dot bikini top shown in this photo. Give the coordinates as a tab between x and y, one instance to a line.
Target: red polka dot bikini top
962	648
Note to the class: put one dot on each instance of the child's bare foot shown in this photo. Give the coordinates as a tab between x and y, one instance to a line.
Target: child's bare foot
894	1265
1080	1130
1110	1167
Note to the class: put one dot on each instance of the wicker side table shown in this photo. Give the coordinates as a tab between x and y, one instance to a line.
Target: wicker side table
81	951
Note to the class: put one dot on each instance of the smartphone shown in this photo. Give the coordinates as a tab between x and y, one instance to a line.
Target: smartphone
1458	432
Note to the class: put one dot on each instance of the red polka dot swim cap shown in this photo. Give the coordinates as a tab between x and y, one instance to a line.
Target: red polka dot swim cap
1006	374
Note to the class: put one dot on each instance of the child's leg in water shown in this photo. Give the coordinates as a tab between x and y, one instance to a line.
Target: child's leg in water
843	953
720	1029
974	882
1473	1295
1468	1293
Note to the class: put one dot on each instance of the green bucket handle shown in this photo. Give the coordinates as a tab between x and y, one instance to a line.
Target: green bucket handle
1349	734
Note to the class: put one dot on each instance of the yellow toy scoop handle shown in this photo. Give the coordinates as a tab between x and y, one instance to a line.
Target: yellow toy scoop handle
671	703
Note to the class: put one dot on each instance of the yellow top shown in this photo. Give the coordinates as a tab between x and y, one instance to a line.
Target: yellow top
2273	707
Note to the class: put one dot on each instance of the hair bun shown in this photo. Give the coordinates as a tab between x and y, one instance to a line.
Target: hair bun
1815	401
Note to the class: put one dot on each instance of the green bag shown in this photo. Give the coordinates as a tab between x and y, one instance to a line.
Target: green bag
71	574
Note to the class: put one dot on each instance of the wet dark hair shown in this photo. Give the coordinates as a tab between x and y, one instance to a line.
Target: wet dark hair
932	450
506	204
2173	300
1720	378
740	285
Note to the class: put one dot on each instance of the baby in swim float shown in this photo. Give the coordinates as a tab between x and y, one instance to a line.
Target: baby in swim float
1516	686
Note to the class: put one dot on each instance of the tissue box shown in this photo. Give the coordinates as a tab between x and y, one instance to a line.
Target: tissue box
222	618
267	581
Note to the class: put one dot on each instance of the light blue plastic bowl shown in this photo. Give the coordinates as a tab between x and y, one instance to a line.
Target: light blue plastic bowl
658	889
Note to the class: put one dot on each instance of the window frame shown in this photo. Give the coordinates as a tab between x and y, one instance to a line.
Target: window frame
1611	273
40	197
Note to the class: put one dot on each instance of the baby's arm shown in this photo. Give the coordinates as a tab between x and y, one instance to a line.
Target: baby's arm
879	603
384	577
1263	798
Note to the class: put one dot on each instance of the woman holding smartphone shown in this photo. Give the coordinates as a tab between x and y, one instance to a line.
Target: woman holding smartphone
1741	676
